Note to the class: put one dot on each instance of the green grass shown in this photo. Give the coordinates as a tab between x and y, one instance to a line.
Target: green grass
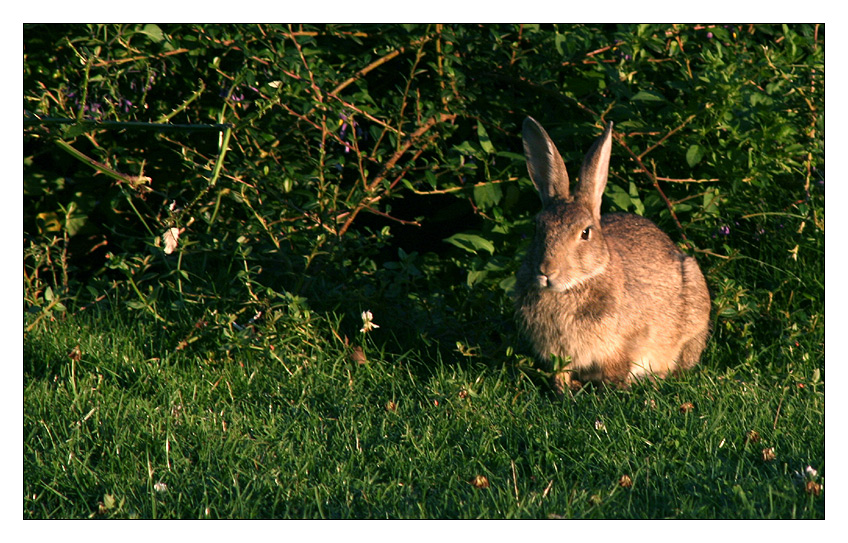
137	429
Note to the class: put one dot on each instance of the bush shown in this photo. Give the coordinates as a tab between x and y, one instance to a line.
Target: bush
332	163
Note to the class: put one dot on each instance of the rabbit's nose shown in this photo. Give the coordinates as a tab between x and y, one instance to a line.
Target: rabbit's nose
548	269
547	274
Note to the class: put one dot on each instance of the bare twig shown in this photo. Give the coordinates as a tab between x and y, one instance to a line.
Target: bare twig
376	64
451	190
135	181
372	186
689	180
395	219
654	182
671	133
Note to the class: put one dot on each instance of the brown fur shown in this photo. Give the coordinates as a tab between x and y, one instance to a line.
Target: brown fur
611	293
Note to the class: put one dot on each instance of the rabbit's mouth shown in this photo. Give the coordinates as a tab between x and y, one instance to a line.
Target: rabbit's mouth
563	282
545	282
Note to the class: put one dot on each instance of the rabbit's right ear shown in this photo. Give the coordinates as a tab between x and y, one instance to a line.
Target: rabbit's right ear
545	165
593	173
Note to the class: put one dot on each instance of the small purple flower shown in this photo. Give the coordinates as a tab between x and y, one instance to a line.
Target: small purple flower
94	110
709	35
344	124
724	230
233	94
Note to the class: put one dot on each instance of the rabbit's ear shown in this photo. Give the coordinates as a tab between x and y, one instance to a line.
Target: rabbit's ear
547	170
593	173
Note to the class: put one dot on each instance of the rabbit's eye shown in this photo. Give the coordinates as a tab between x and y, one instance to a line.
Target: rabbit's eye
586	233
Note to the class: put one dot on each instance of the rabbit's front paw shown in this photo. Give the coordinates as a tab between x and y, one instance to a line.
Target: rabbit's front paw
564	380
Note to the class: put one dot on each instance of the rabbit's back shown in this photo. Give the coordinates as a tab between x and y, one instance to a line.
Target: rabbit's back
660	283
652	266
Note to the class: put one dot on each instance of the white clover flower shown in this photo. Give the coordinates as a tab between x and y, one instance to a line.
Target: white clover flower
170	238
367	322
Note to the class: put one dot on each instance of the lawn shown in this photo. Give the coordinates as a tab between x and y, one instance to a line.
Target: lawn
128	427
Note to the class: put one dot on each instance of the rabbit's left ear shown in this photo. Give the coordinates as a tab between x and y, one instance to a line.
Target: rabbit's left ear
593	173
544	163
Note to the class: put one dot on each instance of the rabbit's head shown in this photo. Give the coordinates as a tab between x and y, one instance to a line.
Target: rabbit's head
569	247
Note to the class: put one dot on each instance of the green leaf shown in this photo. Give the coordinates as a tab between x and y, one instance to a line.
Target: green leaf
487	196
475	276
153	32
559	39
638	206
758	98
485	142
648	96
711	201
625	200
518	157
507	284
471	243
465	148
619	197
694	155
75	222
430	177
71	131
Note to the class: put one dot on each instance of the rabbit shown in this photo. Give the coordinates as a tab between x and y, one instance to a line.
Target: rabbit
612	293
